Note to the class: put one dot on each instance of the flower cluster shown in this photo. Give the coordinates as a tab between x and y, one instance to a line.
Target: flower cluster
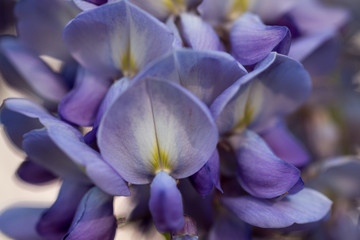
179	104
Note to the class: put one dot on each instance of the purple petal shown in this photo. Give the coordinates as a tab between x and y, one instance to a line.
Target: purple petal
156	8
163	127
36	73
208	176
41	22
198	34
84	5
303	47
33	173
304	207
165	203
55	222
41	149
313	16
71	143
217	12
81	104
113	92
16	124
205	73
339	175
251	40
276	87
59	145
261	173
20	222
270	11
117	37
94	217
286	146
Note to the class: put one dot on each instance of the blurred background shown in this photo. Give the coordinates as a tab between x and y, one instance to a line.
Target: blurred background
328	125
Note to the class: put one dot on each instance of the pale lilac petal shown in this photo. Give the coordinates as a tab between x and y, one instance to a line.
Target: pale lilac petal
285	145
155	7
163	127
198	34
261	173
313	16
84	5
59	146
94	217
276	87
16	124
205	73
41	149
165	203
35	72
270	11
303	47
41	22
117	37
306	206
71	143
217	12
251	40
80	106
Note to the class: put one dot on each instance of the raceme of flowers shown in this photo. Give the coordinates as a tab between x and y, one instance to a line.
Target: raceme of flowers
186	103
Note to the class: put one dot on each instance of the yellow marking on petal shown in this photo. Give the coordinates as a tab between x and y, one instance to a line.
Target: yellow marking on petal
238	7
175	6
160	160
128	64
247	117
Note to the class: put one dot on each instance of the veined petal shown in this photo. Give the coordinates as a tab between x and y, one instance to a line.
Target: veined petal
198	34
276	87
55	221
117	37
285	145
306	206
40	25
163	127
204	73
261	173
165	203
20	222
46	83
251	40
94	218
81	104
